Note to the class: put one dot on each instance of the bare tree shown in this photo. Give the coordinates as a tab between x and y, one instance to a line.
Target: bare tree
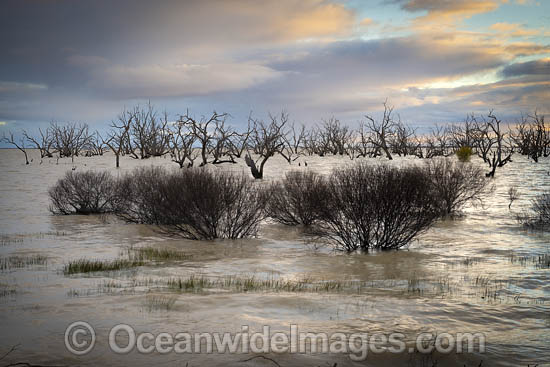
437	143
69	139
381	131
532	137
43	144
403	141
267	139
149	132
95	145
202	130
181	145
291	150
10	139
490	143
118	137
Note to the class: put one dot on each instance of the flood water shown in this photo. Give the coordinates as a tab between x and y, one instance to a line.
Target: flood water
473	274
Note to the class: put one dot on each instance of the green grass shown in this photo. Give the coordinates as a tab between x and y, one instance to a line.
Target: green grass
17	262
91	266
156	254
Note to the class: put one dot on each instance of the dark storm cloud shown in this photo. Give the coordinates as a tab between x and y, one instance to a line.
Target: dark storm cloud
535	67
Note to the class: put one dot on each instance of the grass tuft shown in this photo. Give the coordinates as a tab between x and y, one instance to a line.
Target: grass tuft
90	266
18	262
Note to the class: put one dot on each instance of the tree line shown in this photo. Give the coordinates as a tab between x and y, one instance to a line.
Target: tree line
143	132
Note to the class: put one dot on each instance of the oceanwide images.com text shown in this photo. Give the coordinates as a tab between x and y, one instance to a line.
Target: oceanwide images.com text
80	339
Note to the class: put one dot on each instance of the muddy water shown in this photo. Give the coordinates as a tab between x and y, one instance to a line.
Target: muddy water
475	274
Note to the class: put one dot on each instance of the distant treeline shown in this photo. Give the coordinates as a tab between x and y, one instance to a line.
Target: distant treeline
143	132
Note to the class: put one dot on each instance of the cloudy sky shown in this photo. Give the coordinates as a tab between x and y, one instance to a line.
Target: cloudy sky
434	60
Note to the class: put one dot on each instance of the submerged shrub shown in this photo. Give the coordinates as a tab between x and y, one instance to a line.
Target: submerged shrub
297	198
455	184
87	192
193	203
377	207
464	153
539	215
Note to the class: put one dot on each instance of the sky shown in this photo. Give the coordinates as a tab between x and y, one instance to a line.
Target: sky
435	61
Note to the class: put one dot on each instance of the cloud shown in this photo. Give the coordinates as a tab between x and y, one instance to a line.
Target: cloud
152	81
513	30
449	8
535	67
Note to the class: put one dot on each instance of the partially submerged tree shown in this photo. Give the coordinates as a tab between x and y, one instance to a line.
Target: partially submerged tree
181	145
148	132
44	144
490	143
203	130
531	137
69	139
267	140
381	131
118	137
10	139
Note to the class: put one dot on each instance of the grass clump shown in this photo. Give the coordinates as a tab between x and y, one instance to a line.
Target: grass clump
91	266
18	262
156	254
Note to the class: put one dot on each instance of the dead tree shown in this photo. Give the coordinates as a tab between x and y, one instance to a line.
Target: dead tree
69	139
43	144
437	143
267	139
222	144
463	135
491	144
10	139
403	141
181	145
201	130
381	131
149	133
118	138
95	145
531	137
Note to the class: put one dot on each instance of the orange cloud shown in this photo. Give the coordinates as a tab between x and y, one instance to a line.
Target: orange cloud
513	30
323	20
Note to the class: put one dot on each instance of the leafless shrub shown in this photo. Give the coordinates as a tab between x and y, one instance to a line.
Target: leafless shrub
193	203
538	216
377	207
297	198
87	192
455	183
